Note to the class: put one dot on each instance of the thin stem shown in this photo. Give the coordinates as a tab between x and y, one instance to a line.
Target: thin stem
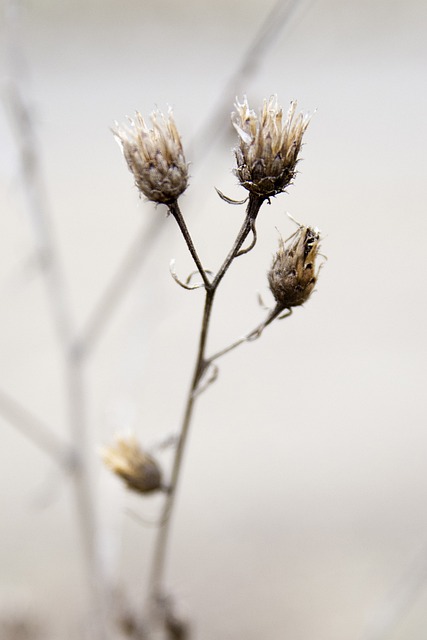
254	205
176	212
161	544
83	489
253	243
255	333
156	575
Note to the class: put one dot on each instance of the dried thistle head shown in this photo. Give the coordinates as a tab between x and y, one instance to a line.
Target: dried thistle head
269	145
154	156
138	469
293	274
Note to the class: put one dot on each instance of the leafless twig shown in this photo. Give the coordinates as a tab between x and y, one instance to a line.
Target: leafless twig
37	431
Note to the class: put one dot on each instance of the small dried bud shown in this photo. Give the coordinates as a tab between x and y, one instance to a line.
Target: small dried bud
292	276
138	469
154	156
268	151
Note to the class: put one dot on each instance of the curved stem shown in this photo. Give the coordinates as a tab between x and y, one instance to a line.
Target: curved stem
252	211
176	212
253	243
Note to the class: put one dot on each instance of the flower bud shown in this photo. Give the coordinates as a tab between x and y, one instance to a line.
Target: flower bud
138	469
292	276
154	156
267	154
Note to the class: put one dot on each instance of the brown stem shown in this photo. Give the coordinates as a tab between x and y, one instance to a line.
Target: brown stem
252	211
176	212
156	590
255	333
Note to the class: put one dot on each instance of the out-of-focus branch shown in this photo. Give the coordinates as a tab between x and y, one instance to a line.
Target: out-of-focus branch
114	291
21	120
37	431
280	15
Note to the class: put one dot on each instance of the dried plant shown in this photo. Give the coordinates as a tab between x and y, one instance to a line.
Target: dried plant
267	156
162	179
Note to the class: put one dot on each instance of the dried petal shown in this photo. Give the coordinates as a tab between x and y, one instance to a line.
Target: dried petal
267	154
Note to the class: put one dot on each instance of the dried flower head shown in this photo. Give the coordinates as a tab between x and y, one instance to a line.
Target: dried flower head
136	467
269	146
154	156
293	274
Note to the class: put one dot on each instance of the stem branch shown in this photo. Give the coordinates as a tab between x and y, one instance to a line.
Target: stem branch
252	335
156	590
176	212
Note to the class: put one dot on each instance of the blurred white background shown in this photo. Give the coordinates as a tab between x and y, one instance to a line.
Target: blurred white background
301	511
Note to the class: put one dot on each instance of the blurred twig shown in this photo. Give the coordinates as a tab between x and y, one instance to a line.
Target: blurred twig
280	15
20	113
36	431
21	119
399	600
116	288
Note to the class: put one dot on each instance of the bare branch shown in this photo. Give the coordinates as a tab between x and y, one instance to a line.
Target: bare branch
112	296
37	431
254	334
250	62
213	371
21	119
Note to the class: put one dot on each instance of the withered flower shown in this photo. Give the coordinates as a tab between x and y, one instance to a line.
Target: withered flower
267	154
154	156
293	274
138	469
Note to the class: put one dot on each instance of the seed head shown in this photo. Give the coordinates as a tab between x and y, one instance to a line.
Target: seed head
138	469
268	149
154	156
292	276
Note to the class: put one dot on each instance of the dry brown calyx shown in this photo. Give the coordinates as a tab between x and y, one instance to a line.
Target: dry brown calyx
293	274
269	146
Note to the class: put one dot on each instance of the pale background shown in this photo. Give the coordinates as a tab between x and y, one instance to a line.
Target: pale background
301	511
